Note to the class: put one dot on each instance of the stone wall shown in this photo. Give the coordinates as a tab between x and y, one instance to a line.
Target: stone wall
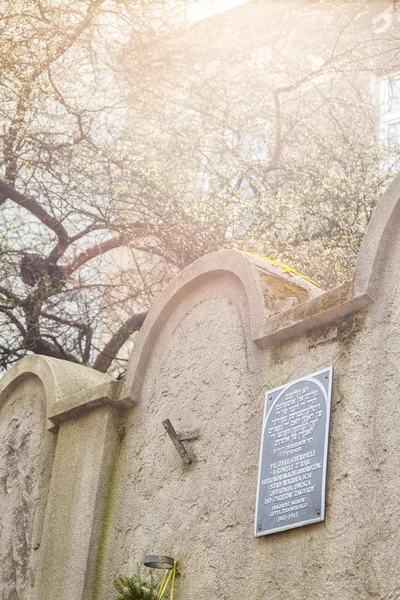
88	492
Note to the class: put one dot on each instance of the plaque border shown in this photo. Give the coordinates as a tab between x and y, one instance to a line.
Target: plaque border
267	409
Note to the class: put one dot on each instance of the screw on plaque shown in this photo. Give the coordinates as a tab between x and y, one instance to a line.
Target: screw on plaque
178	438
318	512
259	527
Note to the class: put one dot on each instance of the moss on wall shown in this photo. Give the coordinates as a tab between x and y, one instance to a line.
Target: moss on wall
110	497
344	330
277	288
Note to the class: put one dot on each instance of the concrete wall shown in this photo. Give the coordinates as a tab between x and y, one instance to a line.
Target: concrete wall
227	328
26	452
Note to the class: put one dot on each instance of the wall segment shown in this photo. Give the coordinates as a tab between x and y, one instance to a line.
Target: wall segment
227	329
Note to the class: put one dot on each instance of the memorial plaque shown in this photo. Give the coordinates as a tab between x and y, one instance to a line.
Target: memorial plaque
294	453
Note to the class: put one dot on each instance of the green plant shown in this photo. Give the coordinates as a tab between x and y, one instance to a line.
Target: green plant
135	588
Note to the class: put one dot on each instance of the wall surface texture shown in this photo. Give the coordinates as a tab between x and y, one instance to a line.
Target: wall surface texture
90	482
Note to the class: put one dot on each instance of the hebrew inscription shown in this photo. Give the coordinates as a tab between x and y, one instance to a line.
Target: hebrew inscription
293	456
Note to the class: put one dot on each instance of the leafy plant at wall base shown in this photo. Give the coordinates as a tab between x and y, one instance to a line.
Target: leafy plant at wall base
135	588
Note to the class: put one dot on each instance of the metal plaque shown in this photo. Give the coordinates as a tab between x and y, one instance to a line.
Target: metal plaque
294	453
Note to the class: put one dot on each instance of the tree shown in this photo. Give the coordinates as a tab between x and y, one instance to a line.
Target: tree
63	110
129	151
269	119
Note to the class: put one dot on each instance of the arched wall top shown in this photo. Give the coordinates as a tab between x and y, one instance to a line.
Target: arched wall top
252	272
61	379
372	254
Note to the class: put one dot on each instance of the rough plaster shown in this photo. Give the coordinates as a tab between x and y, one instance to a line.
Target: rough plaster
49	534
72	527
174	502
26	452
210	348
203	515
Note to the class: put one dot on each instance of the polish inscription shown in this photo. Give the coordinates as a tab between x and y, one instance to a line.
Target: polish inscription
293	457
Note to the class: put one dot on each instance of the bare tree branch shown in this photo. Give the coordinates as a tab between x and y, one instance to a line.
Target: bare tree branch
37	210
95	251
110	351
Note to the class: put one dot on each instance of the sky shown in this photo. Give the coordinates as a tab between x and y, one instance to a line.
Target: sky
205	8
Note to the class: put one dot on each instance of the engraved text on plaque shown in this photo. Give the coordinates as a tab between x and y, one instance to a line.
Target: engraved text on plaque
293	456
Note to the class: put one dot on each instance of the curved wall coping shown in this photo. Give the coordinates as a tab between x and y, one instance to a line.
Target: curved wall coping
375	244
70	389
248	269
352	296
